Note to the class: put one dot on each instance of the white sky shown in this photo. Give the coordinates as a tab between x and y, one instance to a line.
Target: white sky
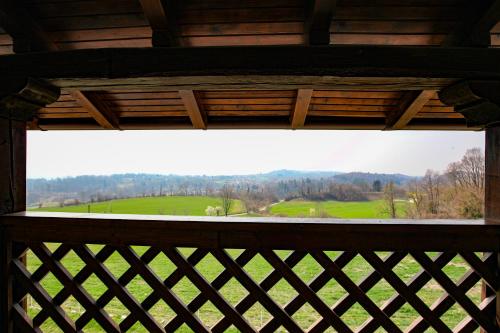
60	153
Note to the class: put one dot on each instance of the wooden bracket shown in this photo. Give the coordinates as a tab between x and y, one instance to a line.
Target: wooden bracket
21	100
477	101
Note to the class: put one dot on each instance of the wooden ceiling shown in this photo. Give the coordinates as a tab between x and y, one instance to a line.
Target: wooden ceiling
33	26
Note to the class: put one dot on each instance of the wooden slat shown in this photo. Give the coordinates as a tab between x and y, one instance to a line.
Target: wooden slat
404	291
257	291
452	289
120	291
298	116
162	19
166	293
266	284
222	279
317	24
80	294
410	105
169	282
196	114
102	115
355	290
212	293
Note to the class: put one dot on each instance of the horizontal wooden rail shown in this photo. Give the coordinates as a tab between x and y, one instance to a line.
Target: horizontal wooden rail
162	273
233	232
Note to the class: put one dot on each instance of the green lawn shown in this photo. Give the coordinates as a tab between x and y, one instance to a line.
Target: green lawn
357	209
169	205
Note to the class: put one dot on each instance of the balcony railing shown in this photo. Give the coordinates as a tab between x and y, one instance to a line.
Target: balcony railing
119	273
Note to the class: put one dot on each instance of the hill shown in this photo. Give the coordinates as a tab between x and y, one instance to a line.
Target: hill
99	188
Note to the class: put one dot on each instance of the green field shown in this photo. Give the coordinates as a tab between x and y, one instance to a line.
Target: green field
168	205
258	268
357	209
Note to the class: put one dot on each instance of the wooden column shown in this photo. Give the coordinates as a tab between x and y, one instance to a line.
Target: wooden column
17	106
492	198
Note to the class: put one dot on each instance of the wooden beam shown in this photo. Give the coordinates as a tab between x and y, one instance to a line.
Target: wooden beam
477	100
27	35
410	105
317	24
298	116
196	114
327	67
161	15
100	112
475	29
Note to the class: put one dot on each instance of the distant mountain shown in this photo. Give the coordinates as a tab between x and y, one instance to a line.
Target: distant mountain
88	188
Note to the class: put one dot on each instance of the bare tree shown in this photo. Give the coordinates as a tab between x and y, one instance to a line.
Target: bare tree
226	193
390	199
416	198
432	183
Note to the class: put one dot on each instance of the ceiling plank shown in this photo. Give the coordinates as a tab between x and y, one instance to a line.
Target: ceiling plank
161	15
27	35
475	29
411	104
299	114
97	109
196	114
317	24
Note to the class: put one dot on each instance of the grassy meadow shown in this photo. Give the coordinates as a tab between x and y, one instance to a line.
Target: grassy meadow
169	205
346	210
258	268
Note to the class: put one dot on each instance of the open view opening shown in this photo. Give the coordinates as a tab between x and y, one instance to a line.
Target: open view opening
177	166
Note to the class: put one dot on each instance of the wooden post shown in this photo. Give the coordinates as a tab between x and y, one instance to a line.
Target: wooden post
13	198
17	106
492	197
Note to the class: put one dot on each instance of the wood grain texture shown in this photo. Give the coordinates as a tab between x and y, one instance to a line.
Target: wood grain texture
299	114
101	113
196	114
411	104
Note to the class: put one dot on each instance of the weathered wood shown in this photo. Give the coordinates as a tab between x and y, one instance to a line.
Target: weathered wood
161	15
477	101
26	34
97	109
481	17
194	109
6	296
354	67
318	22
410	105
430	235
299	114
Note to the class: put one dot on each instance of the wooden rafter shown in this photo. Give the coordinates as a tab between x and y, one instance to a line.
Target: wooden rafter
161	15
27	35
317	25
476	26
298	117
196	114
410	105
100	112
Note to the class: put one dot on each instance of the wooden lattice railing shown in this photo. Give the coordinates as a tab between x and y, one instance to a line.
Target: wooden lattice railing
136	274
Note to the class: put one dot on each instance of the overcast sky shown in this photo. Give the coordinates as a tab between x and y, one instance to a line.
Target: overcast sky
60	153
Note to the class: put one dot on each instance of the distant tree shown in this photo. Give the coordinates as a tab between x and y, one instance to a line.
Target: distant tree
377	186
226	194
432	185
390	199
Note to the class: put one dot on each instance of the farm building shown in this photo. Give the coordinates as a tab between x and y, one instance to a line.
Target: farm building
247	64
